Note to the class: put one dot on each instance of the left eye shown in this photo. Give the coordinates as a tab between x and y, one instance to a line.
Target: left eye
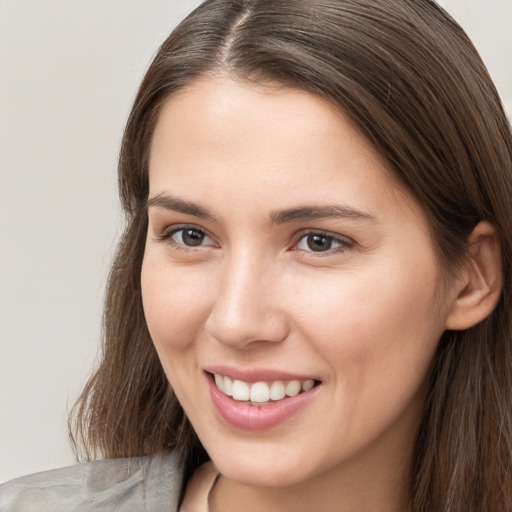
191	237
320	242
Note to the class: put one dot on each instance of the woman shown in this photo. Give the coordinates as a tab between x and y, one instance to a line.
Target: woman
313	288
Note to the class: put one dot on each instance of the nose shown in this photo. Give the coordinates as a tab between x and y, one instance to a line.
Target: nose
246	308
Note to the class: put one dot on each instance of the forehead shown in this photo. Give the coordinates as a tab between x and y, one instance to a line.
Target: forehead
219	110
221	138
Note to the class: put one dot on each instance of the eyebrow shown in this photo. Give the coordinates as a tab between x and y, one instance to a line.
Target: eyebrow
319	212
179	205
312	212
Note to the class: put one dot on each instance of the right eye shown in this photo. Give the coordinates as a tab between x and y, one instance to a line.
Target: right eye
190	237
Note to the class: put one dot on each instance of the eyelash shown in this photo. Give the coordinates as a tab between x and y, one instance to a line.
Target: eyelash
344	244
167	237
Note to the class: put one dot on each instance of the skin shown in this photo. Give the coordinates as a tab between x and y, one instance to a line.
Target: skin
363	317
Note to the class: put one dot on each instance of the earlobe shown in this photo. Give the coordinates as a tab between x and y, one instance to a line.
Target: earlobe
480	281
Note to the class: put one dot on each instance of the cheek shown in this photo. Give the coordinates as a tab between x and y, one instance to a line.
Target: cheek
175	304
378	336
374	322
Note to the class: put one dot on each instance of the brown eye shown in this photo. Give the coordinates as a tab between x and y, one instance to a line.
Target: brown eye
319	243
322	242
191	237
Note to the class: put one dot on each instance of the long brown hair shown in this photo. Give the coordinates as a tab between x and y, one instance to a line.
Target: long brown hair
408	75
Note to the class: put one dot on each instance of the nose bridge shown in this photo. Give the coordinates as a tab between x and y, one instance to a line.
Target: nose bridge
246	308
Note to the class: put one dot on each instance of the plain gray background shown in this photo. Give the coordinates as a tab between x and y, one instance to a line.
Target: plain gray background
69	70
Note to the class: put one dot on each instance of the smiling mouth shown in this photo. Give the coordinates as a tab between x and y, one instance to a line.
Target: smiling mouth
261	393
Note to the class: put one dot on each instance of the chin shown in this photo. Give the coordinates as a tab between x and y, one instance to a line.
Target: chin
263	466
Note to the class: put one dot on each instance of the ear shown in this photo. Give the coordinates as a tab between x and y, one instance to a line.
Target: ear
478	286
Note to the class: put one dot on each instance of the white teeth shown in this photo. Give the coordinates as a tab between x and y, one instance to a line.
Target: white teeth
306	386
219	380
277	390
228	386
261	393
240	390
293	388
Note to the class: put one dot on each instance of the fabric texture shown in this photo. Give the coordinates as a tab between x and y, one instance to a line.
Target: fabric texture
139	484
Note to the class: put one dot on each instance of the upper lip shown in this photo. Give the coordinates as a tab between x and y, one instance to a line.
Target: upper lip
256	374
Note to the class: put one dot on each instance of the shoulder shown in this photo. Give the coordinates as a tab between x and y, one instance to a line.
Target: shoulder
150	484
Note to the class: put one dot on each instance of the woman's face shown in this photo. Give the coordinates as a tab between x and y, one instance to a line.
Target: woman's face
281	254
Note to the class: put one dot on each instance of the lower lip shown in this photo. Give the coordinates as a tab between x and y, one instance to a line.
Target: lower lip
253	417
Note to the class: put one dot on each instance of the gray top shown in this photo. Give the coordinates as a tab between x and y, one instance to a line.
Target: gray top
139	484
